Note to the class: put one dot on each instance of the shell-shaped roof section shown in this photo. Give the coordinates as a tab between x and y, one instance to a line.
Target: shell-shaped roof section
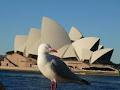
75	34
90	43
33	36
61	51
70	52
34	48
19	43
103	54
53	33
100	47
84	54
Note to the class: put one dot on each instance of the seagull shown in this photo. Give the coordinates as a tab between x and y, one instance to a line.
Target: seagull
53	68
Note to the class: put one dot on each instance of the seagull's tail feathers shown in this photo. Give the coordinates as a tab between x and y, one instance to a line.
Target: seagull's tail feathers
80	81
83	82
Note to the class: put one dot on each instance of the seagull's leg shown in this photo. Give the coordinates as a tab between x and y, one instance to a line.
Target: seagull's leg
53	85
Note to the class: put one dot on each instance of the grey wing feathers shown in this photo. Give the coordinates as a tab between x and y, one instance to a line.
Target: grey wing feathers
62	70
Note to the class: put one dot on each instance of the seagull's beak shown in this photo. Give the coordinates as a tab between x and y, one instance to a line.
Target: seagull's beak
52	50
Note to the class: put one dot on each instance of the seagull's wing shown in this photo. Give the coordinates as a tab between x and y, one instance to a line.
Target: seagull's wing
61	69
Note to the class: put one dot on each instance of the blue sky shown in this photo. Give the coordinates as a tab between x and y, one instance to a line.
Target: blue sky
99	18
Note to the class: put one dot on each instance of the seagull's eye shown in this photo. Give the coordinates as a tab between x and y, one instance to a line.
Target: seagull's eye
47	48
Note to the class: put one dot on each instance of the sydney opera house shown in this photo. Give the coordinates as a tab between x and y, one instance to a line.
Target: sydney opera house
75	49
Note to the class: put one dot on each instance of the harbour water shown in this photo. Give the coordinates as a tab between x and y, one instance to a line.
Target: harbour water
35	81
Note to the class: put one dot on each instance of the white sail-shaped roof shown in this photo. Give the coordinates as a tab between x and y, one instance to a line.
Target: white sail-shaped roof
90	43
19	43
34	48
70	52
102	55
61	51
53	34
33	37
75	34
84	54
100	47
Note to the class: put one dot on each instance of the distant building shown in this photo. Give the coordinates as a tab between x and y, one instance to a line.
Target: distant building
72	45
75	34
77	51
16	60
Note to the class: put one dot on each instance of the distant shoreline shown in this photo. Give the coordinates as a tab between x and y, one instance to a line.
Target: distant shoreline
36	70
17	69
